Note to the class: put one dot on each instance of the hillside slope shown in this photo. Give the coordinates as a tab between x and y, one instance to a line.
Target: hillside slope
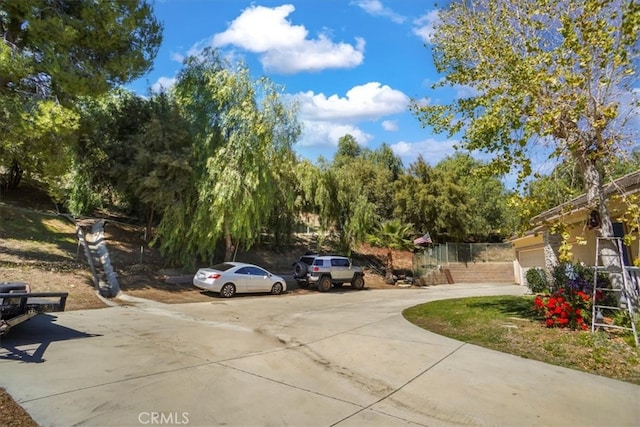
40	247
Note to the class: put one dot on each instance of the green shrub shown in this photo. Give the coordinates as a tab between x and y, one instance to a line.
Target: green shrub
82	198
536	280
567	274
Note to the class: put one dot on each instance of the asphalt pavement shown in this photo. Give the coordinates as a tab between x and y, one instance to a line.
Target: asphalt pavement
342	358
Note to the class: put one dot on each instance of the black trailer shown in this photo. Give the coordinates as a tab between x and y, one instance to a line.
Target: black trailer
18	304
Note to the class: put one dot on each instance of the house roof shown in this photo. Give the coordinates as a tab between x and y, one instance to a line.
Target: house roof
625	185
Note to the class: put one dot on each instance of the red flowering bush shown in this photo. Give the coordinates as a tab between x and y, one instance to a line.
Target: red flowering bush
569	305
565	308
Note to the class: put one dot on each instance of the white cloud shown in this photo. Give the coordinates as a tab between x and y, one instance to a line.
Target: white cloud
328	118
376	8
177	57
260	29
432	151
314	55
366	102
390	125
284	47
163	83
424	26
327	134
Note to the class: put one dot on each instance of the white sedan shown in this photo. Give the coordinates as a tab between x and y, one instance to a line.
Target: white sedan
230	278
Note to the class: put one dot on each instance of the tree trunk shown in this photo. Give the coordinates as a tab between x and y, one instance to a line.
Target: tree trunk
228	244
14	175
389	268
150	213
608	257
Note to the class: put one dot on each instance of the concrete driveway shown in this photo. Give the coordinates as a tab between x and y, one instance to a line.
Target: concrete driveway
342	358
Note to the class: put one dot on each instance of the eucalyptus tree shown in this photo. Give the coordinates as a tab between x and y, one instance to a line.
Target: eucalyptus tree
160	167
433	201
543	75
486	195
242	132
354	192
348	150
385	157
360	202
415	199
51	53
341	205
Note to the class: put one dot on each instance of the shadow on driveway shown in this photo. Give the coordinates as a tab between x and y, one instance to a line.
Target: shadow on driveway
29	341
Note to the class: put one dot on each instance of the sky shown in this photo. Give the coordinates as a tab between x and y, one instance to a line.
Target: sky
353	65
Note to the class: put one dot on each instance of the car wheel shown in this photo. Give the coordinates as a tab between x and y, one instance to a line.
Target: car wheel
358	282
300	269
324	284
276	289
228	290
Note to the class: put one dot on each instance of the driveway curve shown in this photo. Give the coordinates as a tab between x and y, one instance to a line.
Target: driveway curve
342	358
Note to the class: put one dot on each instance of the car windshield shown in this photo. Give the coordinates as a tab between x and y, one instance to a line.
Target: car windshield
222	267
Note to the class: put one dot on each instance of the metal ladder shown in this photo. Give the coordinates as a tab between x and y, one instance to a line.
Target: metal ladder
627	292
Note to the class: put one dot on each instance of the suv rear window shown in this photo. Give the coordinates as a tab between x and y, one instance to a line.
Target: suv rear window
307	259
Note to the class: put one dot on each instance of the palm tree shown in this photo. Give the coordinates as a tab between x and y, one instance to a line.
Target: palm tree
392	235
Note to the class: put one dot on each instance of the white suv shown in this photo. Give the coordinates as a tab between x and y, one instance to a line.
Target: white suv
334	270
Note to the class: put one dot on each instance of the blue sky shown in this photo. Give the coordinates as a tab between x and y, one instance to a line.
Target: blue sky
353	65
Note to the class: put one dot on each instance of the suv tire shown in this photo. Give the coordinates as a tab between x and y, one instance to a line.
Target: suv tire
300	269
324	284
357	282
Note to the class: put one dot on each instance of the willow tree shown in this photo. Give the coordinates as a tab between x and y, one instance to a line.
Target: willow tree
555	75
242	132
